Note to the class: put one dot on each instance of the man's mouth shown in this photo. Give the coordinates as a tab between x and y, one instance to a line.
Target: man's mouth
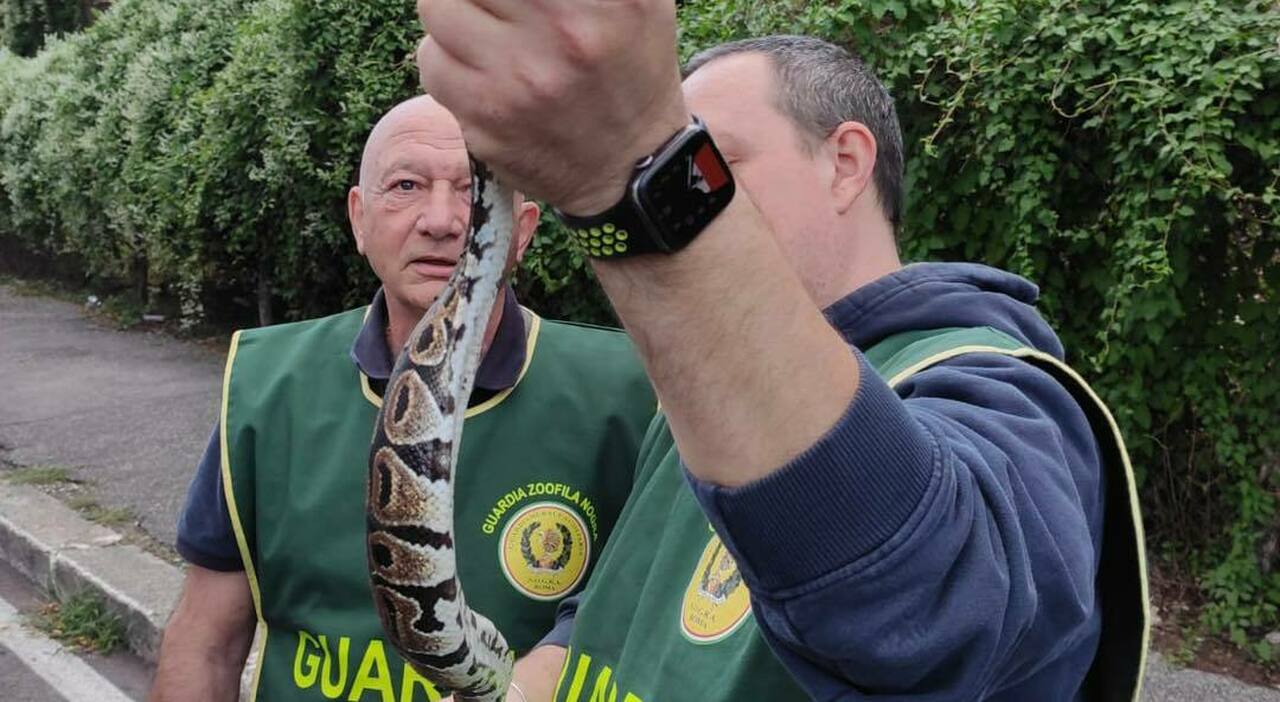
433	266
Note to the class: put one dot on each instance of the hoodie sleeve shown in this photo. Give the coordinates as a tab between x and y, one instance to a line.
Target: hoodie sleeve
566	615
935	544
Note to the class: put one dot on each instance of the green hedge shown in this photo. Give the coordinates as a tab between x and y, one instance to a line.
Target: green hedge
25	23
202	147
1125	155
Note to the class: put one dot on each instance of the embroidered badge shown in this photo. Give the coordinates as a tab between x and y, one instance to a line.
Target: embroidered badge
544	550
716	602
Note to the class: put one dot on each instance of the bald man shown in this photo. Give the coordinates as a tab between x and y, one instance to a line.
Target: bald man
273	528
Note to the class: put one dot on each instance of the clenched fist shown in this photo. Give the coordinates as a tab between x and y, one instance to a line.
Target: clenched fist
559	97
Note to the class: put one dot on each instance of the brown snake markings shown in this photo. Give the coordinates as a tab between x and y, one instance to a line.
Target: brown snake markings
409	514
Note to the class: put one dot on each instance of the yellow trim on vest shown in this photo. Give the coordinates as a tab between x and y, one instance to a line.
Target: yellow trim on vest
1124	457
369	394
233	511
531	343
259	657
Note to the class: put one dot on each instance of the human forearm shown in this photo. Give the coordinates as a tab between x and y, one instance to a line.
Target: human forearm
537	673
206	640
192	671
744	363
748	370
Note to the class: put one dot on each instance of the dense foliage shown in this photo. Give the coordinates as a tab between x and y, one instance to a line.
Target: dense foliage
25	23
1125	155
202	148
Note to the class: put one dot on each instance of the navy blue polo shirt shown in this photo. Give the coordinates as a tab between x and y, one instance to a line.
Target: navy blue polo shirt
205	536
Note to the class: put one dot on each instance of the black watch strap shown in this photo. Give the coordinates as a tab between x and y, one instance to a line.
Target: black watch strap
672	195
617	232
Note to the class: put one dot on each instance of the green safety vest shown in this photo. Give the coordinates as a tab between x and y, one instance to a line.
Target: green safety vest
667	616
543	471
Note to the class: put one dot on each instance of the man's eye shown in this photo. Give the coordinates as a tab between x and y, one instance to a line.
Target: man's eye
406	185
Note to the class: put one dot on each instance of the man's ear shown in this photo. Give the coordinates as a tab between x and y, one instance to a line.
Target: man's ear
526	225
853	149
355	214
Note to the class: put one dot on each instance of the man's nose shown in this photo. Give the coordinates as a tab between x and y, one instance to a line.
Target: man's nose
442	213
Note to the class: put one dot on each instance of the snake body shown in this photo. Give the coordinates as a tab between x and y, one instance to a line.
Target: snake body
412	461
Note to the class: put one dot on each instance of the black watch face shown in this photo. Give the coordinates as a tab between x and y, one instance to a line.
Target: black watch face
683	193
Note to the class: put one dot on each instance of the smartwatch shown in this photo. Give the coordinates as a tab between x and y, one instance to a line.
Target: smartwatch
671	197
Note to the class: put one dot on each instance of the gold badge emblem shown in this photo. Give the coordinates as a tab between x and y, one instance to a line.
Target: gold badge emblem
544	550
716	602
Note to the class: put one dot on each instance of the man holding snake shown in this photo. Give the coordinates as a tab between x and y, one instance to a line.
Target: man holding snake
274	522
868	480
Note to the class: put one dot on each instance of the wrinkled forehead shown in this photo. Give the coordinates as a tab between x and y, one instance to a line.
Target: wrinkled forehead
425	143
420	148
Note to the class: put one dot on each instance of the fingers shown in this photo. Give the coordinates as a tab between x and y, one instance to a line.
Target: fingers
464	30
442	74
549	90
505	10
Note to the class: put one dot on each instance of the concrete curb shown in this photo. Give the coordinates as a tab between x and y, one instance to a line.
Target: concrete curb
64	554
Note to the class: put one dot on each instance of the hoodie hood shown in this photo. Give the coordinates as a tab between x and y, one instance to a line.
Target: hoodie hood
939	295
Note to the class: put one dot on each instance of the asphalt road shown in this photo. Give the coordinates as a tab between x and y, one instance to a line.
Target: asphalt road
131	411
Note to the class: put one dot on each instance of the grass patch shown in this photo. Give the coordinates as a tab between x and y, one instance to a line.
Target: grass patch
121	310
82	503
1189	645
38	475
89	508
29	287
112	516
84	622
124	311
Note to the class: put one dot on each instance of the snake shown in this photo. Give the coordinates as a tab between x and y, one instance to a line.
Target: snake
413	457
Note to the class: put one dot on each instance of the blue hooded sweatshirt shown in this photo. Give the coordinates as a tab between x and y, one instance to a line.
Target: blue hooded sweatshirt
940	542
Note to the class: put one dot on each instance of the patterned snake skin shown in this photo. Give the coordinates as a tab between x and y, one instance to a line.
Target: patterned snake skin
409	511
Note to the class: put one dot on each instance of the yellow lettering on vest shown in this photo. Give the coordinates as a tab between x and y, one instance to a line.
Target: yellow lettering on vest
306	679
374	674
331	689
589	509
632	698
579	677
504	503
411	680
601	691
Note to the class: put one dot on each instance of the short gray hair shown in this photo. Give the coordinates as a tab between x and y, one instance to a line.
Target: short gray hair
821	85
